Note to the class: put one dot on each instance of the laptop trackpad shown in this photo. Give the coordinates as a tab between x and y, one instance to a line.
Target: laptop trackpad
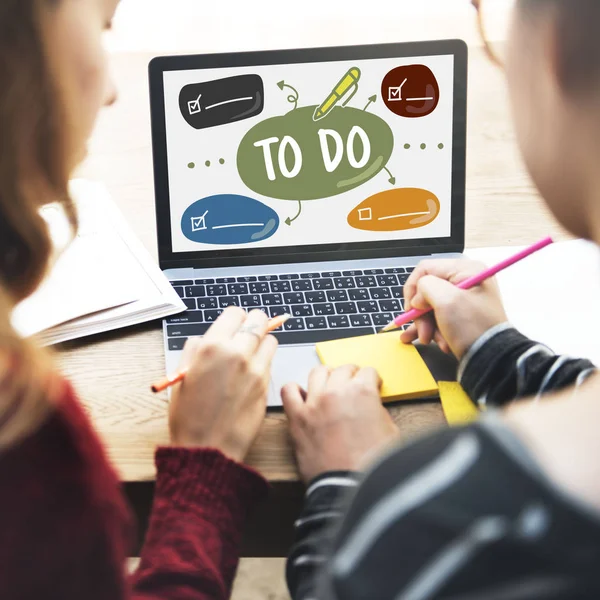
291	364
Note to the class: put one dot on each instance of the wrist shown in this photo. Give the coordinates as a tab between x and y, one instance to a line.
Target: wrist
234	452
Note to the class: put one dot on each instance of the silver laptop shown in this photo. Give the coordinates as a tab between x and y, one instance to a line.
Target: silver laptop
308	182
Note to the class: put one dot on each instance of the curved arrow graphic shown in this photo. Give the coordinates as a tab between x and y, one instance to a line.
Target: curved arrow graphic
371	100
392	179
289	221
292	99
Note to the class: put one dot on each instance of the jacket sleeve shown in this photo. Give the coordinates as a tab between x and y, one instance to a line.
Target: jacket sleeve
504	365
192	546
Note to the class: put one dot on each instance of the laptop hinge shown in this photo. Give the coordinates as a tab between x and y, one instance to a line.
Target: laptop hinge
187	273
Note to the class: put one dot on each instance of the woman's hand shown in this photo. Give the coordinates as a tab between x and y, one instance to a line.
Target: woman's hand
222	400
340	422
459	317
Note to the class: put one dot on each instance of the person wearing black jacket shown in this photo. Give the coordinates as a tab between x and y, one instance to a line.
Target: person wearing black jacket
507	508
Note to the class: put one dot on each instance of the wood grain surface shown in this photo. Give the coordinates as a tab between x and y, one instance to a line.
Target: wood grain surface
113	372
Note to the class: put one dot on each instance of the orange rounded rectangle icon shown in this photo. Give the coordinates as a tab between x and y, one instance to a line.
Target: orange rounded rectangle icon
395	210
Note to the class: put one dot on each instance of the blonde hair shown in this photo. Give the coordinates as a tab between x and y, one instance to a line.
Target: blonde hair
33	171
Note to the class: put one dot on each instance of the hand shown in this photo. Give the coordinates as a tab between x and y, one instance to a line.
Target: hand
340	422
222	400
459	317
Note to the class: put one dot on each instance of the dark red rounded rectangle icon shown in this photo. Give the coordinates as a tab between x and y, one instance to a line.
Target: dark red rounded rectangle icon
222	101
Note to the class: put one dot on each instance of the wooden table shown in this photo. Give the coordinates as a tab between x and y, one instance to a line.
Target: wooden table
112	372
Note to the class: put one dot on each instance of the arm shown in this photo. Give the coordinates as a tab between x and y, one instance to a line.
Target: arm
503	365
192	546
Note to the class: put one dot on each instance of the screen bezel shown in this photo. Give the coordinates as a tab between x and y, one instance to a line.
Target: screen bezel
317	252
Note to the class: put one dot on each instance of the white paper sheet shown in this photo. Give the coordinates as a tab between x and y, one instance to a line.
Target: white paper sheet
553	296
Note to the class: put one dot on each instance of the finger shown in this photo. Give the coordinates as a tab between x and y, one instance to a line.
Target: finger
293	403
441	342
341	375
370	377
189	352
263	357
252	332
317	382
409	335
225	327
452	270
426	329
438	294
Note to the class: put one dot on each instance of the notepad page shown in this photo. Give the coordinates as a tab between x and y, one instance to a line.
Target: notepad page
404	373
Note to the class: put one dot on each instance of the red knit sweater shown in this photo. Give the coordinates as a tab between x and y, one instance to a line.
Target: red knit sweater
65	528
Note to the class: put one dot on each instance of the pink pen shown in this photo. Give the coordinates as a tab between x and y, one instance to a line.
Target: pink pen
413	314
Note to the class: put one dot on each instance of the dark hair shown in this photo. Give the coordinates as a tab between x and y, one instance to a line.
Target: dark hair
578	23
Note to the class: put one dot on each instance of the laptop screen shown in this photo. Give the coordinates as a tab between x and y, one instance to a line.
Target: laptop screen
309	154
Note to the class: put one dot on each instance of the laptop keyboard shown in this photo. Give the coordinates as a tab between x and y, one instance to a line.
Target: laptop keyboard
324	306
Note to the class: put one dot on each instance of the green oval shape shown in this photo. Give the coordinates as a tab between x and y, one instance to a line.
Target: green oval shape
271	168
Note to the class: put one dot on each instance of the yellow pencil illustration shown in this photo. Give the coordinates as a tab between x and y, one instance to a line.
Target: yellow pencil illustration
348	81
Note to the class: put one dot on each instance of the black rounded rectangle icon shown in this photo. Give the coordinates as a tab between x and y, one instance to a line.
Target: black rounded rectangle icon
222	101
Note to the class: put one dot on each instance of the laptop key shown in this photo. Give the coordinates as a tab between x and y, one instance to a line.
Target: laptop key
338	322
373	271
272	299
216	290
277	311
366	281
352	273
237	289
402	279
246	279
187	330
387	280
207	302
280	286
360	321
398	292
177	343
382	319
331	274
344	283
396	270
323	284
324	309
225	301
204	281
180	292
182	283
212	315
226	280
337	296
190	303
294	298
302	285
294	325
193	291
316	323
262	287
251	301
310	275
359	294
302	310
410	269
290	276
190	316
268	278
367	307
313	297
380	293
390	305
346	308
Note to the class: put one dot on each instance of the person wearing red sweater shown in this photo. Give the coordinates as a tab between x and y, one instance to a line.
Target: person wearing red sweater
65	530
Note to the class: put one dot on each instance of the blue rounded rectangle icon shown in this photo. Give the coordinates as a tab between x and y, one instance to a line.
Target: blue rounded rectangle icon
222	101
228	219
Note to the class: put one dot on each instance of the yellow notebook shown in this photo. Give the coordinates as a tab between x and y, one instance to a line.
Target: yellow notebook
404	373
458	407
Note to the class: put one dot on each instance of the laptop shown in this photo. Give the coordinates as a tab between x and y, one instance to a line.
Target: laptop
308	182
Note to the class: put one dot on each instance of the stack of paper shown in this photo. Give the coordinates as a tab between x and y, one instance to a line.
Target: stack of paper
104	279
